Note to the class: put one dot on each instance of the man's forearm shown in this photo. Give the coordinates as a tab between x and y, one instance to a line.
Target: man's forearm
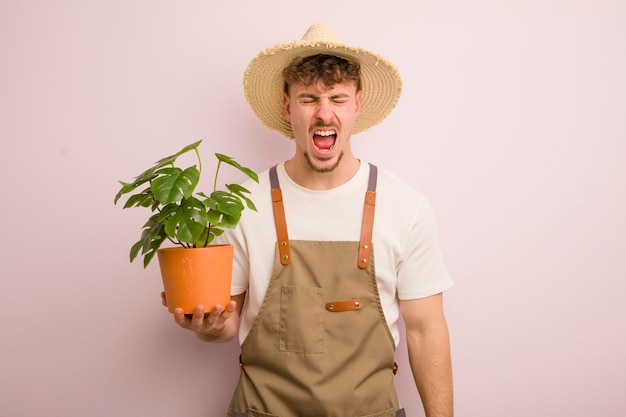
429	356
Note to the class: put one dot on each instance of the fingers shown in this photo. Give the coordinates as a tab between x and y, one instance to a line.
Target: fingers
163	299
231	307
215	313
179	317
189	321
197	318
202	322
208	326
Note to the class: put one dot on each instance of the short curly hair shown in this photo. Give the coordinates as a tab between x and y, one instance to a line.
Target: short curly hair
329	69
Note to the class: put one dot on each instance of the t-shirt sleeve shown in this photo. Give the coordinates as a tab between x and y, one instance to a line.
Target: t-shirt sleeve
422	271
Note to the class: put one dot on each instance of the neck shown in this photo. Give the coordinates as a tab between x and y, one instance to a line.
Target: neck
305	176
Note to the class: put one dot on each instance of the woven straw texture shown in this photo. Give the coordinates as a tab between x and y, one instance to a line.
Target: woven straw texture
264	85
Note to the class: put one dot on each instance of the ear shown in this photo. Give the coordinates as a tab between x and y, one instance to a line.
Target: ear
286	107
359	94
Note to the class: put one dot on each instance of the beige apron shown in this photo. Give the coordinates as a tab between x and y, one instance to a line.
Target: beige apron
320	345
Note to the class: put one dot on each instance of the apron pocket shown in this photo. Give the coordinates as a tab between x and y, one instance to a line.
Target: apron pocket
302	319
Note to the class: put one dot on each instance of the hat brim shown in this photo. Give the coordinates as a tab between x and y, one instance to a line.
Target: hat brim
264	84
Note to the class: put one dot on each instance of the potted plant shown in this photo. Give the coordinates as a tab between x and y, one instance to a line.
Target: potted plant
194	271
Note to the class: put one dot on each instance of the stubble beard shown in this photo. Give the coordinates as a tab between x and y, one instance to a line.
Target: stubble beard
318	169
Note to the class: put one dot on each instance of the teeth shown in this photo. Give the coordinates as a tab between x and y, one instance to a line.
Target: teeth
325	132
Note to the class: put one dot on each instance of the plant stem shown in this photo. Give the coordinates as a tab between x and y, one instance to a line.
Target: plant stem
199	160
217	170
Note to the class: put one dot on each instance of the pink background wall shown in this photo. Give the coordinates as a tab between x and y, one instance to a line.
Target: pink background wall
511	122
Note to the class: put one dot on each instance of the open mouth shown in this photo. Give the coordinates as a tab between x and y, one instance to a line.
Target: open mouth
324	140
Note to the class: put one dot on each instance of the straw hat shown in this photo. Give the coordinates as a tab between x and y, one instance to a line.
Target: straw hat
264	85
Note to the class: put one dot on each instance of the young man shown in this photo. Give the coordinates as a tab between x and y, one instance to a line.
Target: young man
319	327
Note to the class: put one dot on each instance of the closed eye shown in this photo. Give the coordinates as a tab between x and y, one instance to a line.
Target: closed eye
313	99
308	98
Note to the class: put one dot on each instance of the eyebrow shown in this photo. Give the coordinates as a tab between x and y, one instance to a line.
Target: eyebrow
316	97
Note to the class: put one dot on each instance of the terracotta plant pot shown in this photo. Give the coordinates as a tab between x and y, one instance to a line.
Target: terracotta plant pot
196	276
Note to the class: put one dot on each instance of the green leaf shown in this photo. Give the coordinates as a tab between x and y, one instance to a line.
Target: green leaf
169	160
134	250
178	215
230	161
226	203
241	192
149	255
126	188
174	184
213	233
149	174
225	209
222	220
152	237
187	221
143	199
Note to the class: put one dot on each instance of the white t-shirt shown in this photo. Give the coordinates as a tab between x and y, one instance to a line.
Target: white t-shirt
407	257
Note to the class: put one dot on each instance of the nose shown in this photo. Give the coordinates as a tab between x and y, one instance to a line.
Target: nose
324	111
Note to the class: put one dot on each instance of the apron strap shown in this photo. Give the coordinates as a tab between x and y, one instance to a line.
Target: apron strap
279	218
367	226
